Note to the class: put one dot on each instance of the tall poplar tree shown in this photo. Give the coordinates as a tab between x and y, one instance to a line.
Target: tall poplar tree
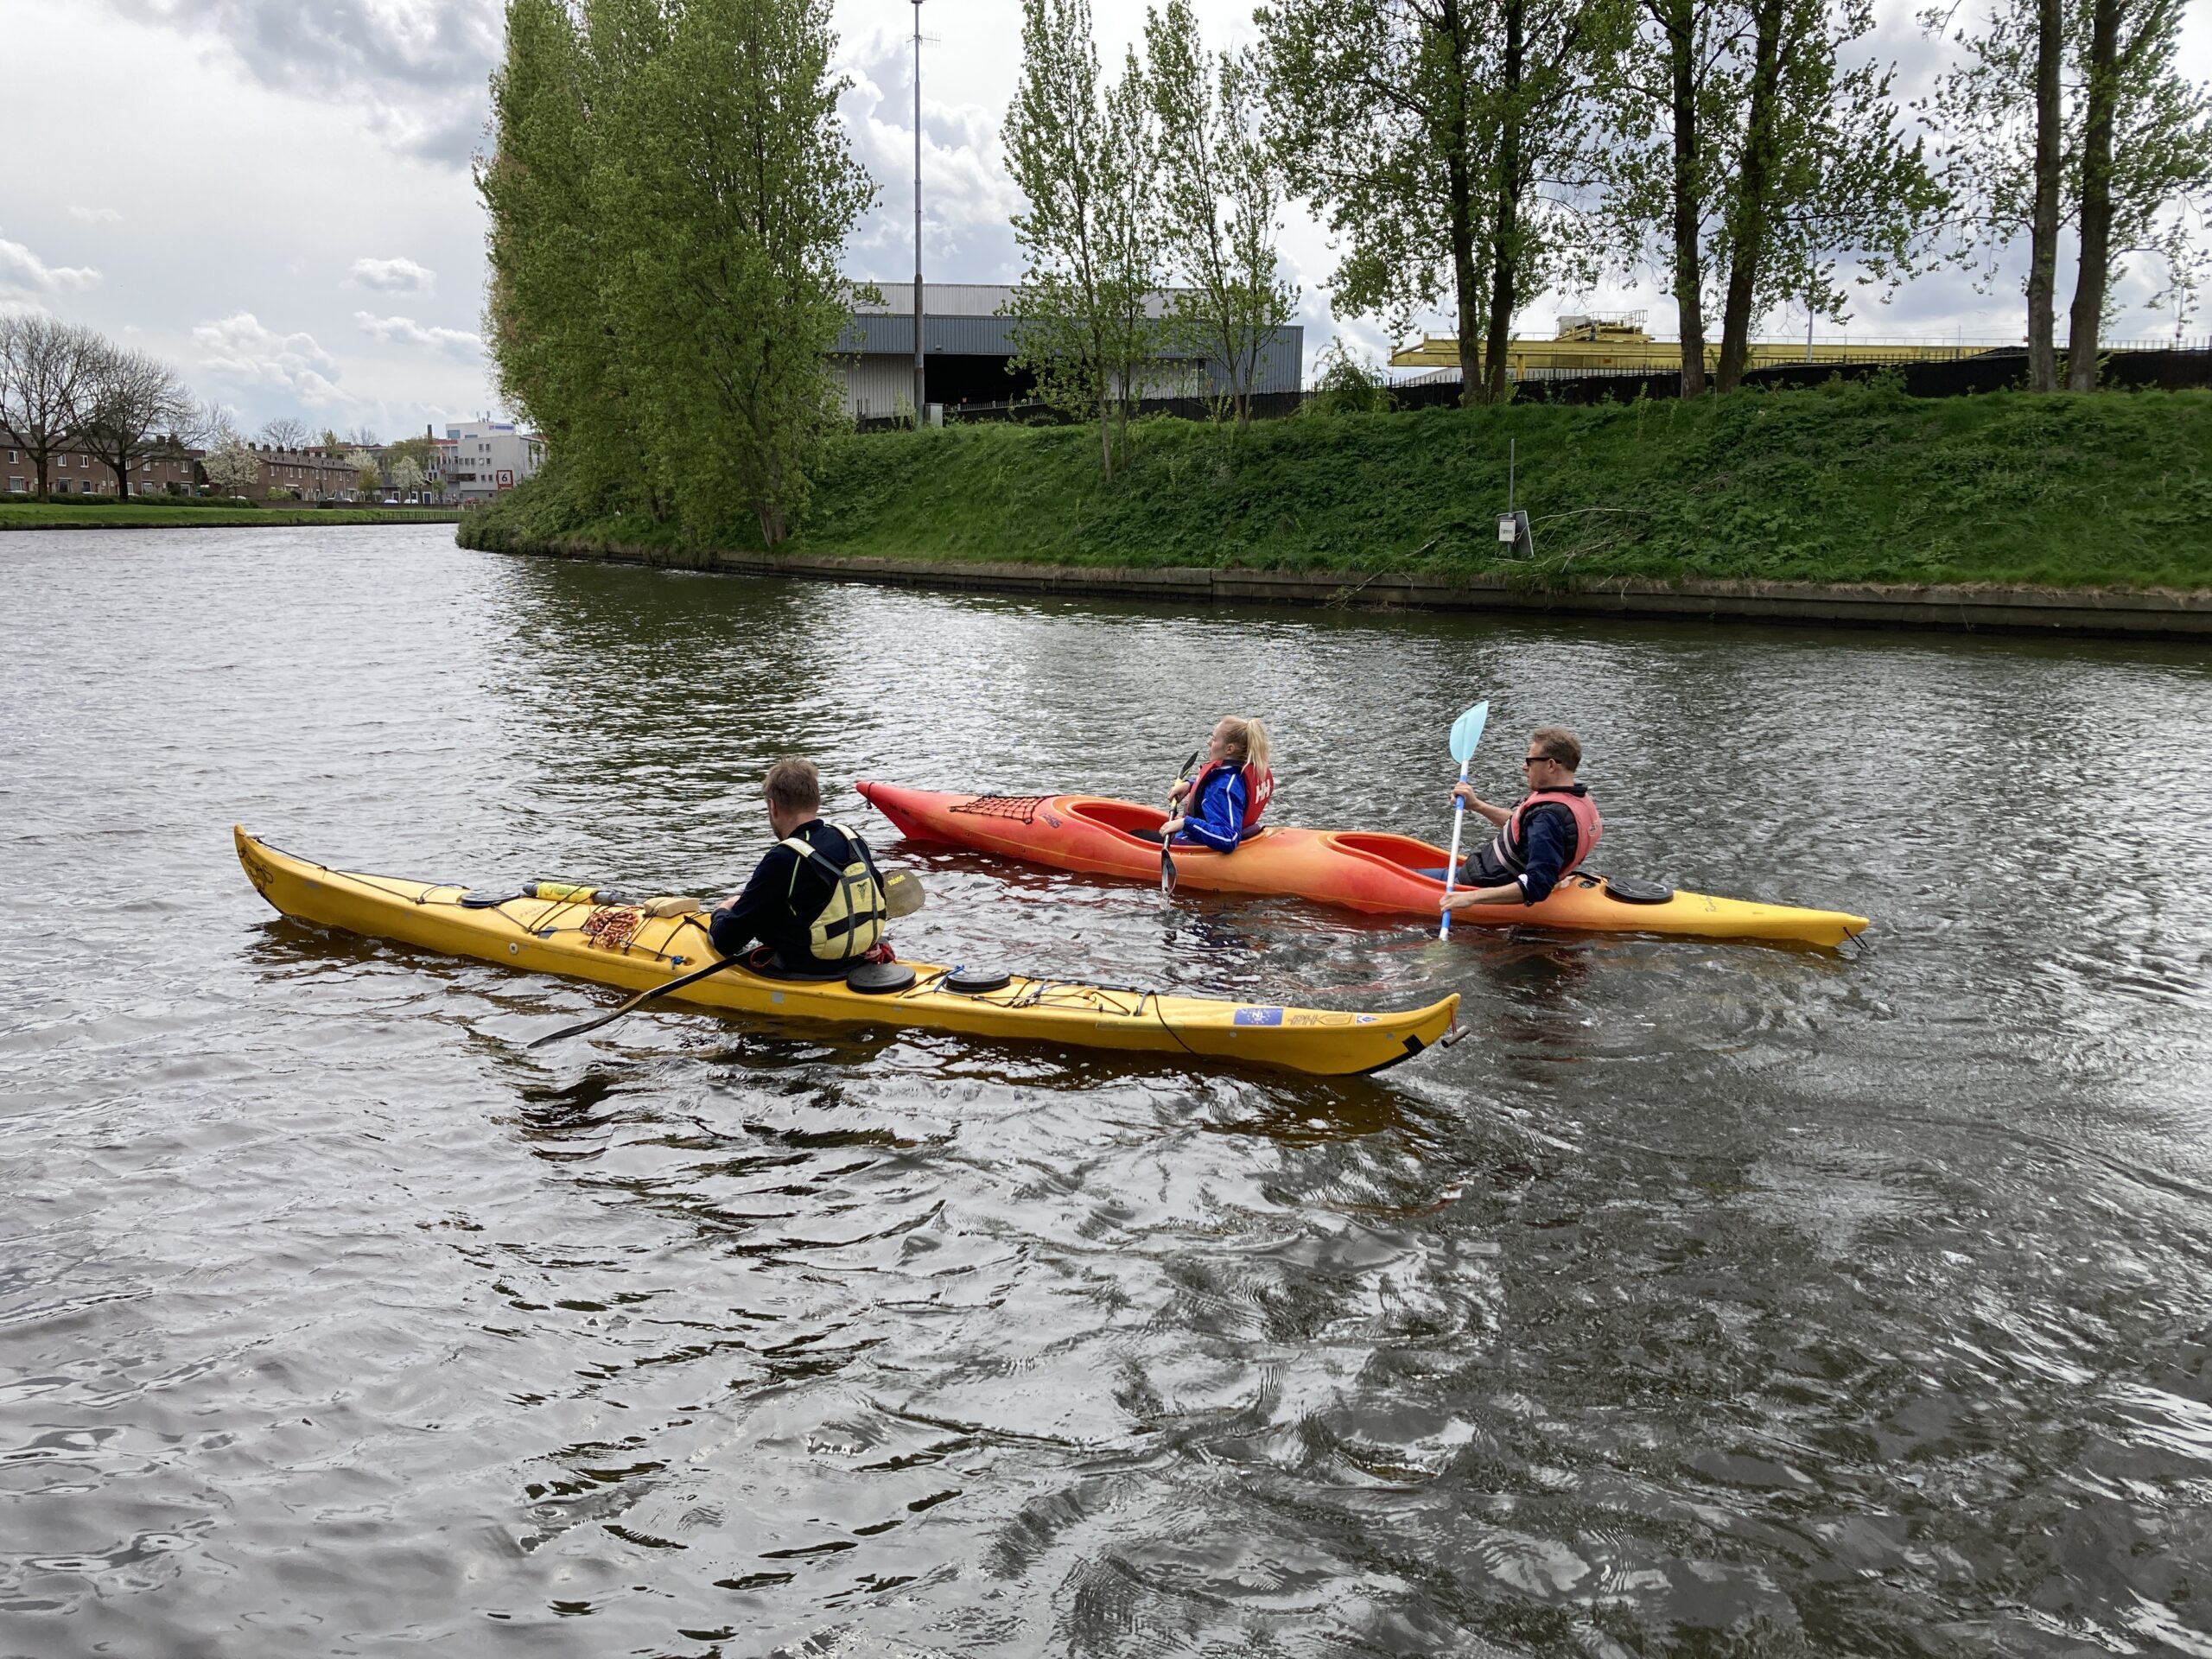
1086	159
1774	163
1220	192
1448	142
2072	113
670	195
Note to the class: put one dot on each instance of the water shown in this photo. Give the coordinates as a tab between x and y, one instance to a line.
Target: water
1709	1299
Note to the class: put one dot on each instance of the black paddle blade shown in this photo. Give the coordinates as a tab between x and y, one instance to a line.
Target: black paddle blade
578	1031
1166	872
642	997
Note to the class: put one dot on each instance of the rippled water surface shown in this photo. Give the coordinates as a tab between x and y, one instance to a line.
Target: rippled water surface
1709	1299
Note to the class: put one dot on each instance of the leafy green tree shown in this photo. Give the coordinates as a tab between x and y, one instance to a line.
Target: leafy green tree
1090	233
2073	112
1448	141
1220	192
1345	383
668	194
1750	159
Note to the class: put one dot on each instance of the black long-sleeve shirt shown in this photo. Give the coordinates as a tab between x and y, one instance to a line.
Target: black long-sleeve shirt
781	901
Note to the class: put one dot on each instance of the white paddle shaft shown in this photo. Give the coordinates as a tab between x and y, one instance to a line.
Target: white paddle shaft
1452	866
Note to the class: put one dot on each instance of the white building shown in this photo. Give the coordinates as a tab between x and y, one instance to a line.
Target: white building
482	458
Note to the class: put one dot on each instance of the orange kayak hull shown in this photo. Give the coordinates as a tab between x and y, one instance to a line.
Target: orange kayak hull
1352	868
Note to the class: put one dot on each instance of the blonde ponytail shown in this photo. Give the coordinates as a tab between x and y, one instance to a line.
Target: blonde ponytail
1248	737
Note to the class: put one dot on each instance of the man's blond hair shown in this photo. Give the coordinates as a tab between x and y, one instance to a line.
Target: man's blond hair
794	785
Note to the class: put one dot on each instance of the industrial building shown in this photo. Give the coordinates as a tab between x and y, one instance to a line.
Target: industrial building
1618	344
967	348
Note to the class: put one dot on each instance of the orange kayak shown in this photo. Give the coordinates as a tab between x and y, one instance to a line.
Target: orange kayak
1353	868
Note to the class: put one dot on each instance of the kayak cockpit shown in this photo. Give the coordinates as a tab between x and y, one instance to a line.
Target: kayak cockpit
1402	854
1140	823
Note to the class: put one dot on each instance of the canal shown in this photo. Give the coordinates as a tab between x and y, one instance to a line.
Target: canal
1714	1299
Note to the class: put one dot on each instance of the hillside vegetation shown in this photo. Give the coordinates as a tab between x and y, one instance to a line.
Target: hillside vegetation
1844	482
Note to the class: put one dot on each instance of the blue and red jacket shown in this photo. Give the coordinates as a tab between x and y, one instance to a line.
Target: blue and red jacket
1224	805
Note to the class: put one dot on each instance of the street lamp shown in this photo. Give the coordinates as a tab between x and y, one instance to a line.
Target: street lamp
921	404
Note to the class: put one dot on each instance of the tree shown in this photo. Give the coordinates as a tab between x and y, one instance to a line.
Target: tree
288	432
555	349
669	195
1449	142
2146	148
1751	161
368	477
231	465
1231	304
46	374
362	437
406	475
2067	112
1089	233
136	406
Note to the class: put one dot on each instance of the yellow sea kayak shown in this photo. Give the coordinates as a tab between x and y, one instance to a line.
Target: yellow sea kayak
619	944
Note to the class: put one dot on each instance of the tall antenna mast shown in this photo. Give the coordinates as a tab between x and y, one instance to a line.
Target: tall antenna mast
921	402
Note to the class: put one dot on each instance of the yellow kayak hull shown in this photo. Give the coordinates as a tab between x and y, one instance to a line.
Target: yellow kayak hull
635	951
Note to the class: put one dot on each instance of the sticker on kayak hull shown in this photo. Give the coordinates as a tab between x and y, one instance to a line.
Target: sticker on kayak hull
1258	1017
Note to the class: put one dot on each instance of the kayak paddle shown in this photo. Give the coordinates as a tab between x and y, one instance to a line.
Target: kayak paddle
1466	731
1166	857
902	896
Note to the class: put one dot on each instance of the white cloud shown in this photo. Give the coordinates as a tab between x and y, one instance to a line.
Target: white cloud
242	350
24	272
400	276
419	66
406	330
96	215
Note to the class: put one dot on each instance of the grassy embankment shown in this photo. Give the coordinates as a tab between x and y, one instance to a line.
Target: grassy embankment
1842	483
61	515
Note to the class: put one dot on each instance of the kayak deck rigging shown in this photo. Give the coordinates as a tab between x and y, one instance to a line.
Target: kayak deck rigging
628	945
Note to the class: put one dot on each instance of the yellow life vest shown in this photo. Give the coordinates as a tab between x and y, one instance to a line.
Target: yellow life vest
851	924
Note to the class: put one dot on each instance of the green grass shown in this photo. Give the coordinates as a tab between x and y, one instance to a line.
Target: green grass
55	515
1844	482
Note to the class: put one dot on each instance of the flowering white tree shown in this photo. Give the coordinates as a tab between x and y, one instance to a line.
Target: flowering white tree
232	466
367	477
406	475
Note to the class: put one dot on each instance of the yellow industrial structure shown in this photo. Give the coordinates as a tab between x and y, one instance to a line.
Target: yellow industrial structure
1597	345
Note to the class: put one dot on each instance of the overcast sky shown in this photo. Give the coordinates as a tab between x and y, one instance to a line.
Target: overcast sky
275	195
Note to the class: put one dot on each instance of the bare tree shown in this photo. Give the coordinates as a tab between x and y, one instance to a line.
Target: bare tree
362	437
136	406
287	432
45	382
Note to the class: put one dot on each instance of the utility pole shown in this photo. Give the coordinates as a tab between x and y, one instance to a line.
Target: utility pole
921	401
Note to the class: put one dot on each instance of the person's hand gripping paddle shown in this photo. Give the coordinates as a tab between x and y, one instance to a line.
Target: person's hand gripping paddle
1466	731
1167	854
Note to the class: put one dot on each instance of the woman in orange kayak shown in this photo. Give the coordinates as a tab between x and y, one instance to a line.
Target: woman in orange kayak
1221	806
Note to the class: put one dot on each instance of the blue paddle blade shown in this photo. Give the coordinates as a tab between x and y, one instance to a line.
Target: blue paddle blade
1467	731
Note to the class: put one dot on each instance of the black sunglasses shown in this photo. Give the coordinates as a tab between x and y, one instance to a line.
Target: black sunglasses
1534	759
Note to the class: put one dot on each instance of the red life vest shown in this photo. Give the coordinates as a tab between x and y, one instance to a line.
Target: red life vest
1588	827
1259	790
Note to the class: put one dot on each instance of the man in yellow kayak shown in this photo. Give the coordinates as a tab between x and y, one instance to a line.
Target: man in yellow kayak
815	902
1553	828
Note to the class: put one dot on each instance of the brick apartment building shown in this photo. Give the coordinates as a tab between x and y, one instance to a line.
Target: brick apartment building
315	473
169	472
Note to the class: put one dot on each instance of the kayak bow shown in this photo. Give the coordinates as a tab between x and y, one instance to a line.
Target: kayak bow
624	945
1353	868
